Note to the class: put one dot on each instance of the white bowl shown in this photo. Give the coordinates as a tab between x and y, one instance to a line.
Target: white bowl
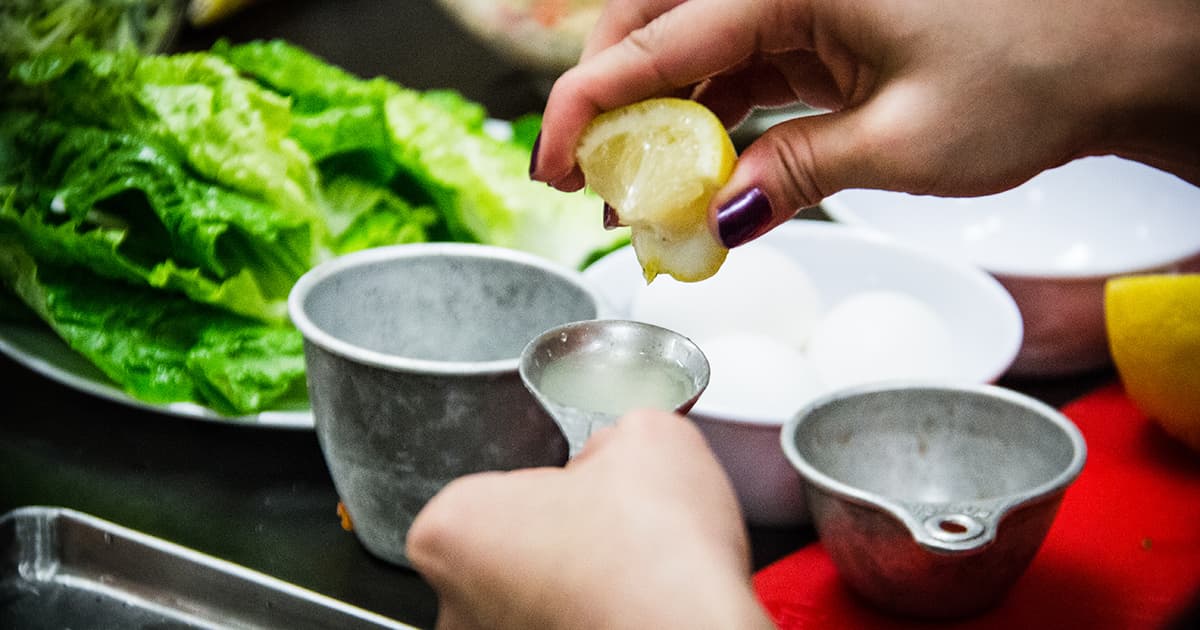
1052	242
982	319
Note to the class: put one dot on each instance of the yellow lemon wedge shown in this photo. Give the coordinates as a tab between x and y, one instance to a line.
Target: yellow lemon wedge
657	163
1153	324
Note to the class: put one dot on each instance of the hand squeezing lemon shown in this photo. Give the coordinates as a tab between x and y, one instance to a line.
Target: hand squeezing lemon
658	163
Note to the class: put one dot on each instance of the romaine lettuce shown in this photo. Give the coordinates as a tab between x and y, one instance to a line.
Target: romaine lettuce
155	210
362	214
482	186
229	130
160	347
437	141
120	205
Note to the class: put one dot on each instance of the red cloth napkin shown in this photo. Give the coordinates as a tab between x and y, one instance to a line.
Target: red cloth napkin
1124	551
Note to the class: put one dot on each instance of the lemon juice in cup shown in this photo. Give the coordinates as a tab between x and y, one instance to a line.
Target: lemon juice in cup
629	380
586	374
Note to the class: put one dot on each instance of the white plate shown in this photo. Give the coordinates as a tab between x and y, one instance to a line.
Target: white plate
40	350
1090	218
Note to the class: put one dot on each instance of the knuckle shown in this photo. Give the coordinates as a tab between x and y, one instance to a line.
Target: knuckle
437	526
802	183
645	44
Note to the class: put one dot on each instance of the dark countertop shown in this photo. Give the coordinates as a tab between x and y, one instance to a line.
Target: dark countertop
258	497
262	497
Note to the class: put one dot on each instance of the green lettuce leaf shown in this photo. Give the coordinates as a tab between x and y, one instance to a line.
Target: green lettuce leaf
98	250
334	112
161	348
362	214
481	184
525	130
441	151
230	130
234	132
247	368
121	206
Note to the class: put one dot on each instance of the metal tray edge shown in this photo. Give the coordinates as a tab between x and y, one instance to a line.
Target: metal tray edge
49	515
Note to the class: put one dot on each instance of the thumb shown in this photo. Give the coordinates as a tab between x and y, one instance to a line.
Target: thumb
792	166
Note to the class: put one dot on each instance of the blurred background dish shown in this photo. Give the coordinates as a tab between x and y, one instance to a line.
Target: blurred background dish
795	312
544	35
1052	242
417	44
545	38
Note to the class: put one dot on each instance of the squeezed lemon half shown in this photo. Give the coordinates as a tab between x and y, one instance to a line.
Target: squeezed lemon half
1153	326
658	163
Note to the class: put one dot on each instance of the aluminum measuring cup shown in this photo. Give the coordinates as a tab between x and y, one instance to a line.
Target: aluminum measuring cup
599	341
412	353
933	499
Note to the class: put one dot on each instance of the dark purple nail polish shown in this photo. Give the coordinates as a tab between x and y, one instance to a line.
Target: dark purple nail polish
537	142
611	220
743	217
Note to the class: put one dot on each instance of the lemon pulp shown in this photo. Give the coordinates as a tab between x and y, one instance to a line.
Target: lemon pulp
658	163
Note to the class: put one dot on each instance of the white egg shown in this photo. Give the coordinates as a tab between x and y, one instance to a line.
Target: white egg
754	375
879	335
759	289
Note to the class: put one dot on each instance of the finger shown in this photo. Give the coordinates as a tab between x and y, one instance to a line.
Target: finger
767	84
674	51
434	530
781	80
607	437
571	182
620	18
435	539
596	443
645	431
464	565
792	166
733	97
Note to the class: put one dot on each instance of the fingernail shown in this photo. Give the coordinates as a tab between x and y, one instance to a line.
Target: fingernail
611	220
743	217
537	142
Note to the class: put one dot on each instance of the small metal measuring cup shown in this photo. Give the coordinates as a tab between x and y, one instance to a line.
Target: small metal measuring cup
933	499
605	342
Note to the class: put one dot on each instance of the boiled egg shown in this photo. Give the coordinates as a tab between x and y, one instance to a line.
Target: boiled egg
878	335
